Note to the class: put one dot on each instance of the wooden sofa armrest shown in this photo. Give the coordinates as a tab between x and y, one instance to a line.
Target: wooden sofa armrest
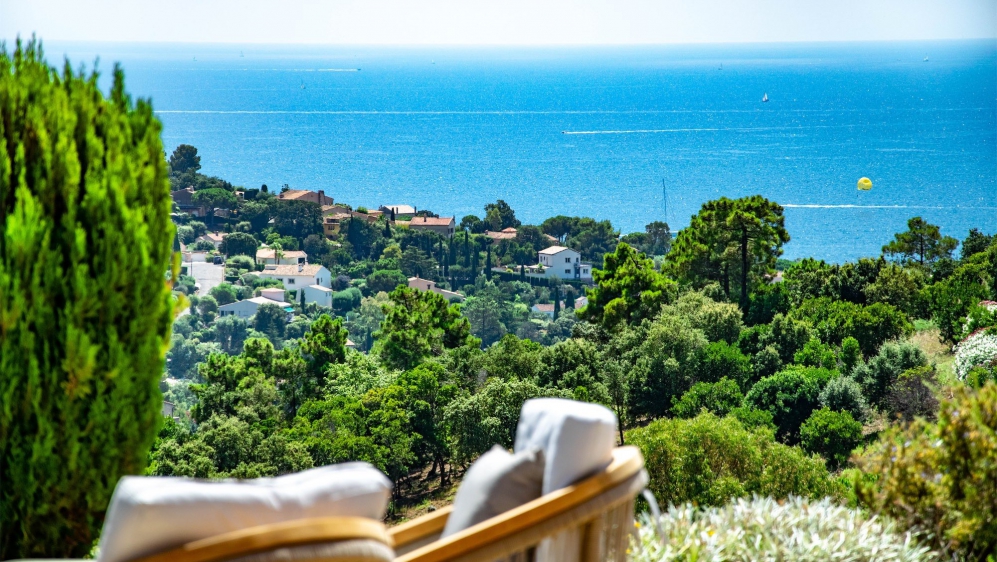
277	535
626	464
421	527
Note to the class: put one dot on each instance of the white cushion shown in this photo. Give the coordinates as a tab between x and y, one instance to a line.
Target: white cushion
577	438
152	514
497	482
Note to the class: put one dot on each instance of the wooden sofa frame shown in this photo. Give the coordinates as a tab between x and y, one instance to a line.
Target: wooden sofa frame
589	521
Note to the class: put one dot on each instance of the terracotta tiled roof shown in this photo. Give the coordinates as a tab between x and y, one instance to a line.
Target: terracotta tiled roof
504	234
430	221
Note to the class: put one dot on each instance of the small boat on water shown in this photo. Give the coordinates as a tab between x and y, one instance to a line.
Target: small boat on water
925	58
765	97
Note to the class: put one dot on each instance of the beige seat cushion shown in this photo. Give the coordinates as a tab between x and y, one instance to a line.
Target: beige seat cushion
153	514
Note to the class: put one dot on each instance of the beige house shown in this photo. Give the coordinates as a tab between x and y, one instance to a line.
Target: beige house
444	226
421	284
214	238
268	256
319	197
504	234
401	211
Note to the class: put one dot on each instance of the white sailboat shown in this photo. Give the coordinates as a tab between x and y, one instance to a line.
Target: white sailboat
765	97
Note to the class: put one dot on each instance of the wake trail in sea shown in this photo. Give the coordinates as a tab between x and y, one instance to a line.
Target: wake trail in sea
705	130
936	207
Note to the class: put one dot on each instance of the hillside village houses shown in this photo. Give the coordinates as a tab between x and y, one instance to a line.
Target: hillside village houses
269	256
562	263
504	234
319	295
421	284
213	238
318	197
548	309
248	307
297	276
401	211
444	226
184	200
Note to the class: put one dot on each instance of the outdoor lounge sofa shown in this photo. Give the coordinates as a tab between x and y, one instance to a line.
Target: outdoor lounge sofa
581	508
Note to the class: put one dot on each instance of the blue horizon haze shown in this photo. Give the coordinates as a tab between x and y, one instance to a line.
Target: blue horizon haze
595	131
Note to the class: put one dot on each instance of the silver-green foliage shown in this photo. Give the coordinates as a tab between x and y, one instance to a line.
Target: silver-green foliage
766	529
85	310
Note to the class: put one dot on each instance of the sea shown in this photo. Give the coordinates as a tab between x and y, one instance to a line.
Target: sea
628	134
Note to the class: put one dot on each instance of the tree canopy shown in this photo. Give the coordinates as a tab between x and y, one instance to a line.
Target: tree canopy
733	242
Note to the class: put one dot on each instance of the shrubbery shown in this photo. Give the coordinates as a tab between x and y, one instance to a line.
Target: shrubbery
831	435
719	398
766	529
709	460
790	396
940	479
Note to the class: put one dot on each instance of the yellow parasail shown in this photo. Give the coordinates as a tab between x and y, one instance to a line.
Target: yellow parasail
865	184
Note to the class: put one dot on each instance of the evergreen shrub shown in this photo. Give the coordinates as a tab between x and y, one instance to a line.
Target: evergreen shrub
940	478
831	435
85	308
720	398
709	460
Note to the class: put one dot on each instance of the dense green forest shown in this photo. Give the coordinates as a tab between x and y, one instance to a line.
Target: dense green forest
707	338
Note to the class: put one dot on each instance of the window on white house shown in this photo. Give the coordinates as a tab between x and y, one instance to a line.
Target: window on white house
567	260
290	281
585	270
567	271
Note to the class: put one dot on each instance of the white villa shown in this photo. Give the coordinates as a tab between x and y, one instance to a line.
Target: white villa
268	256
560	262
297	276
319	295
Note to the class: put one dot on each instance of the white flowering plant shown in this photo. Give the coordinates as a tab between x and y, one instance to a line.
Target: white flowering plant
977	350
767	529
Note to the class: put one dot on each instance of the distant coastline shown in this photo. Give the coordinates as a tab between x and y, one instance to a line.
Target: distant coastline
450	129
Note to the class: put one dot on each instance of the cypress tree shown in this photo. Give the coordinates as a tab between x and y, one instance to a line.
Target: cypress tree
488	263
475	256
522	273
557	301
387	230
85	315
467	251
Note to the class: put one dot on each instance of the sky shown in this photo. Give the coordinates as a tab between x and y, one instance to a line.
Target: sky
496	22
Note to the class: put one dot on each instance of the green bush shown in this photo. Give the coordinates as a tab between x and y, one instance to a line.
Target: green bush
85	243
766	529
720	398
832	435
871	326
385	280
721	360
879	374
708	460
940	479
843	394
790	396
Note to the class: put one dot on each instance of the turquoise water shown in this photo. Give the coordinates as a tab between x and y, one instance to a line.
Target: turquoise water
598	131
